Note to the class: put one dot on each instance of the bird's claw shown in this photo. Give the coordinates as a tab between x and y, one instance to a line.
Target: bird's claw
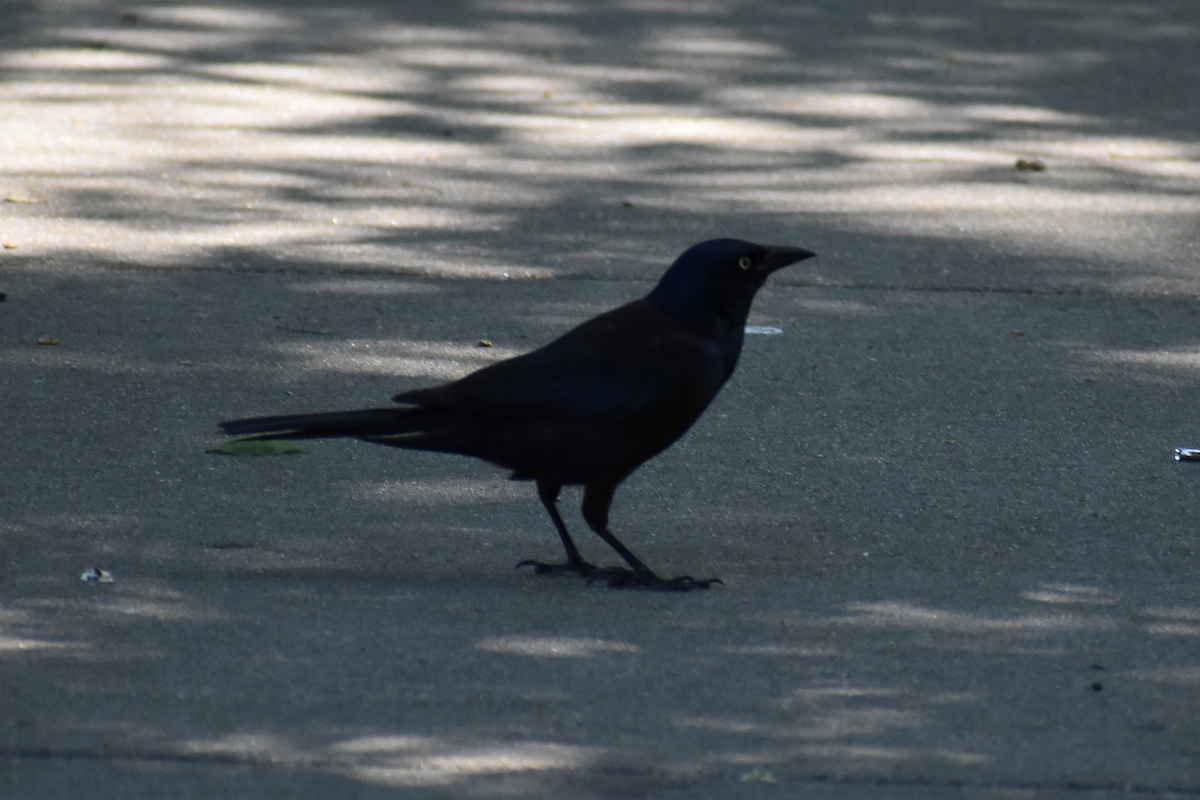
635	580
620	577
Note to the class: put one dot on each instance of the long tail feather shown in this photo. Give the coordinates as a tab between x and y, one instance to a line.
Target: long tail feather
364	422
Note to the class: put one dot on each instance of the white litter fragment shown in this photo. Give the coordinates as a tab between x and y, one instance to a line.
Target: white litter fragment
765	330
96	575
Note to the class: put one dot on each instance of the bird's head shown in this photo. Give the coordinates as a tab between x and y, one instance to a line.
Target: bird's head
713	283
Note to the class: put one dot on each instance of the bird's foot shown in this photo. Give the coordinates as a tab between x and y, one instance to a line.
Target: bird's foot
628	579
620	577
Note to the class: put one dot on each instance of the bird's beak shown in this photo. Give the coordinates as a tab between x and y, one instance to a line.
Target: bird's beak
780	257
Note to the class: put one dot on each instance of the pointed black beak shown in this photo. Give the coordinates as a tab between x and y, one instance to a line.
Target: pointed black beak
780	257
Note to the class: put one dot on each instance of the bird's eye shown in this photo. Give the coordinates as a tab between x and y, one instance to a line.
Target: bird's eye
744	262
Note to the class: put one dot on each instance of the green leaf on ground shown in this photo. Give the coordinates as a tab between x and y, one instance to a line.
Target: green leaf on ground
258	447
759	775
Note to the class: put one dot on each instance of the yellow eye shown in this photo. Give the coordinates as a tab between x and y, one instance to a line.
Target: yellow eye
744	262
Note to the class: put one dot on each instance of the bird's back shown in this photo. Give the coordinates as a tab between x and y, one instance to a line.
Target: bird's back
591	405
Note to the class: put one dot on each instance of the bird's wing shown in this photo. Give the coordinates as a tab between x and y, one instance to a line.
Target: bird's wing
627	362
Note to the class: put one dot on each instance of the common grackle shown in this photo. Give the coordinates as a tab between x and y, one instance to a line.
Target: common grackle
590	407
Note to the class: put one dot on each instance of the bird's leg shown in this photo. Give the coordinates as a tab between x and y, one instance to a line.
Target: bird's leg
596	501
597	498
548	494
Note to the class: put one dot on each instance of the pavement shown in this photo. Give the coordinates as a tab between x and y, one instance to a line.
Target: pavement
959	559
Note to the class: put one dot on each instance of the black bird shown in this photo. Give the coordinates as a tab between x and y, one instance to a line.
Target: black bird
590	407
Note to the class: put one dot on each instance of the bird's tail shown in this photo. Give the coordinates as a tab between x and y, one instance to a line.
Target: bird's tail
366	422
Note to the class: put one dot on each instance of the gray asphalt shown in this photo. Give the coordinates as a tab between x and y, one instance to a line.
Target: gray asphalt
959	559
